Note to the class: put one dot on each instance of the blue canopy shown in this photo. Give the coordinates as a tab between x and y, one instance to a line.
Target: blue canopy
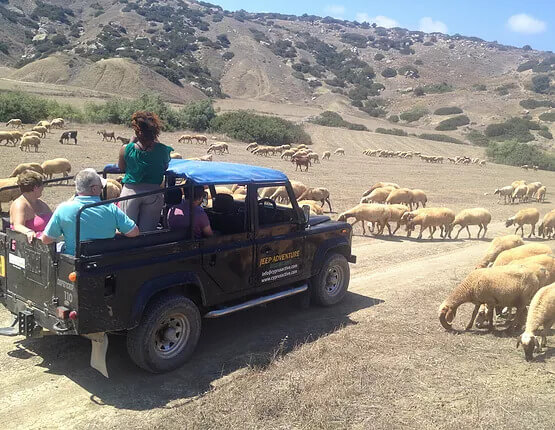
217	173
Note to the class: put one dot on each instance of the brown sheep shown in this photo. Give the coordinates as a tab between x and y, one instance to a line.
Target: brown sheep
57	165
27	166
419	197
400	196
497	246
521	252
429	218
547	226
525	216
317	194
365	212
378	195
475	216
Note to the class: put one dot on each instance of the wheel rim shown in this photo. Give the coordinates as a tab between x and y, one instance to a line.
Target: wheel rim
334	280
171	336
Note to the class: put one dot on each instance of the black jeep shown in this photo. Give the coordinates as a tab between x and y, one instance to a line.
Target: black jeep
156	287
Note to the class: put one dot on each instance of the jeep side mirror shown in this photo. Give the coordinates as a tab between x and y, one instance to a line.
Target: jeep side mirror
306	214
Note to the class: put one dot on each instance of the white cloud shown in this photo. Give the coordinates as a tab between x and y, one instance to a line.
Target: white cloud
380	20
428	25
335	10
523	23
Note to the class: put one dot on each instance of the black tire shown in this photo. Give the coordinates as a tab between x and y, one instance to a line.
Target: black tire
330	285
158	344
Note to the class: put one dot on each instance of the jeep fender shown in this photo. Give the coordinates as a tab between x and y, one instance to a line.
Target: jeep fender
156	285
336	244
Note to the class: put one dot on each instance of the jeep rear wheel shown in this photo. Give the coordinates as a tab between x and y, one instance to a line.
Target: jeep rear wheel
330	285
166	336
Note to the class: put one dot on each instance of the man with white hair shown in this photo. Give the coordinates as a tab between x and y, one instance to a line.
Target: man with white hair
99	222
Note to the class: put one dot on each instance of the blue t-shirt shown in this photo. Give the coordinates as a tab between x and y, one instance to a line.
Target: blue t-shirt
99	222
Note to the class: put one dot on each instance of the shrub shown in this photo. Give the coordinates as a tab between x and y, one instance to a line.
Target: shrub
393	118
453	123
439	138
354	39
418	62
411	70
197	115
419	92
228	55
548	116
379	56
477	138
333	119
534	104
517	154
450	110
335	82
413	114
437	88
503	90
527	65
479	87
250	127
4	48
314	84
541	84
546	134
55	13
31	109
394	131
389	72
516	129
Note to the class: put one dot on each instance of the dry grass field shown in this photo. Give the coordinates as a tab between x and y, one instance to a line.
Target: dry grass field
378	360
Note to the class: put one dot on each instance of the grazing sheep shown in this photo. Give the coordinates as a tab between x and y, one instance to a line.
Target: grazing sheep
11	194
57	165
286	155
429	218
31	133
29	141
15	123
532	189
300	162
7	136
339	151
200	138
515	184
66	135
57	123
511	286
218	147
540	194
396	213
525	216
380	185
365	212
41	130
525	166
541	313
520	193
314	158
107	135
476	216
176	156
400	196
27	166
547	261
185	137
521	252
547	226
326	155
378	195
123	140
315	208
16	136
419	198
505	192
43	123
497	246
317	194
252	146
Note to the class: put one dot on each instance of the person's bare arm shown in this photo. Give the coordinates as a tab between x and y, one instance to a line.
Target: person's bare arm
47	240
134	232
207	231
121	159
17	219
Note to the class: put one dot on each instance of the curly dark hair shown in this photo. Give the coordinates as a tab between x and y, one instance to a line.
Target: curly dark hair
28	180
147	125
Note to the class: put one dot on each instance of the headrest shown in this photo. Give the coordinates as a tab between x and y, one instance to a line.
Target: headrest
173	197
223	203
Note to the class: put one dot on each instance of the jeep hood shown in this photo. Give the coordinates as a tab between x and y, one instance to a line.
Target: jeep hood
318	219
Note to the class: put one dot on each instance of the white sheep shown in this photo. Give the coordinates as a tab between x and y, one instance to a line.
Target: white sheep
547	226
541	313
540	194
218	147
497	246
57	165
26	166
400	196
429	218
7	136
378	195
380	185
318	194
16	136
419	198
521	252
41	130
511	286
326	155
523	217
520	193
505	192
29	141
16	123
365	212
339	151
475	216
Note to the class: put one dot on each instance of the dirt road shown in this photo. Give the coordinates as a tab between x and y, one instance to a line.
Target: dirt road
47	381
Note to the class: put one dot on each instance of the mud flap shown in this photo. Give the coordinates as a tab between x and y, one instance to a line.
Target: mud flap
99	344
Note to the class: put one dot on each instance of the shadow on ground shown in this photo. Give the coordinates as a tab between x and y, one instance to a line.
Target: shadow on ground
239	341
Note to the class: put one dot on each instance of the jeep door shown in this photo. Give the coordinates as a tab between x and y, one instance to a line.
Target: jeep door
279	238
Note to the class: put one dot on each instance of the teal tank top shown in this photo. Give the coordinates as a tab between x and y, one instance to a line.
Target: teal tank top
146	167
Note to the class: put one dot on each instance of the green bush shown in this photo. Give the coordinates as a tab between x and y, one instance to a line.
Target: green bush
541	84
55	13
437	88
450	110
477	138
453	123
394	131
31	109
419	92
534	104
4	48
548	116
545	133
479	87
333	119
517	129
527	65
389	72
379	56
393	118
413	71
517	154
228	55
250	127
418	62
413	114
439	138
197	115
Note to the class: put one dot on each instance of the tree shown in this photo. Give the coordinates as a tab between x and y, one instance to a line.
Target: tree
541	84
197	115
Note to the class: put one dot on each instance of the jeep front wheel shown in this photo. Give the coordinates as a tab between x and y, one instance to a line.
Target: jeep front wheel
166	336
330	285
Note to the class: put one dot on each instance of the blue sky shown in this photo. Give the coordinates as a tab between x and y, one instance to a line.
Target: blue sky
510	22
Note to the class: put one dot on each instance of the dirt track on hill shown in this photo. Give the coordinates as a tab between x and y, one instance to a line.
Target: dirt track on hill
395	289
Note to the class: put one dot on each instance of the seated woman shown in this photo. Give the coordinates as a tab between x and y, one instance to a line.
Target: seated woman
180	218
28	213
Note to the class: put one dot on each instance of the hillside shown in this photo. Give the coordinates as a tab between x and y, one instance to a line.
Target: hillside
188	50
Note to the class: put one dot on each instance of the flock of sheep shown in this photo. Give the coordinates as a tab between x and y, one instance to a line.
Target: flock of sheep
510	275
29	139
384	153
522	191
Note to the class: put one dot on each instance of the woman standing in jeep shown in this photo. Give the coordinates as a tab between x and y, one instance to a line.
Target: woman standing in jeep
144	161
